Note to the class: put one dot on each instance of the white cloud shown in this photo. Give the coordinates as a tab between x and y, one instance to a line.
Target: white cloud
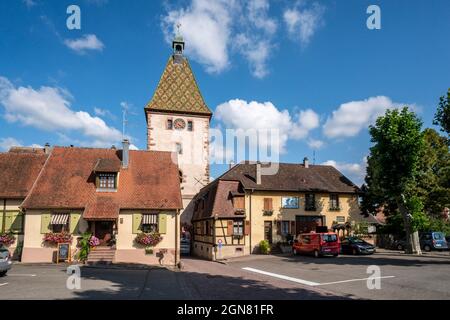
205	26
212	29
307	121
104	113
86	42
351	117
303	21
242	115
7	143
354	171
315	144
49	108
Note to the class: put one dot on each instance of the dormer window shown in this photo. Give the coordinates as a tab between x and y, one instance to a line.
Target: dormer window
107	181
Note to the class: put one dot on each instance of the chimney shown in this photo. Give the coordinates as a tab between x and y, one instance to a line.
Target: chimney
306	162
125	153
47	148
258	173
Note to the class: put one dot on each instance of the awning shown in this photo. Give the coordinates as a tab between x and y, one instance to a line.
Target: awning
60	218
149	219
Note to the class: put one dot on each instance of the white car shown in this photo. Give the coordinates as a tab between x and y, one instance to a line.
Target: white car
5	261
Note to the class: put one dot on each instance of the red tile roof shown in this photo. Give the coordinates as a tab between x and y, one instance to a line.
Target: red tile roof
217	200
68	181
18	171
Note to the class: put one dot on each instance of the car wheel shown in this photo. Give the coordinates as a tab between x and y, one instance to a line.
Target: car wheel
3	273
316	254
427	248
400	247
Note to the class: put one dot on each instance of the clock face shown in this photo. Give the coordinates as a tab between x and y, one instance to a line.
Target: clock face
179	124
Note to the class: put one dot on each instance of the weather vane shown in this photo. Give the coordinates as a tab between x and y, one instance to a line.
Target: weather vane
178	28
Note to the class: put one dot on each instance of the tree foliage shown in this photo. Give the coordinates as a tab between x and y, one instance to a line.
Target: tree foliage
442	116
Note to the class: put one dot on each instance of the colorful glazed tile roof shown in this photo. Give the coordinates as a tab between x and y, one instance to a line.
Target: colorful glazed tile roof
178	91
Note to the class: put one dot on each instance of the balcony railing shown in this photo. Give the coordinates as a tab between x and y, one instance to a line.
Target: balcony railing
267	212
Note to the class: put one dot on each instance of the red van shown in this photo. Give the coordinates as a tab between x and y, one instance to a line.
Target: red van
318	244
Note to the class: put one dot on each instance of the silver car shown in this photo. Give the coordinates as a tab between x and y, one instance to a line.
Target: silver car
5	261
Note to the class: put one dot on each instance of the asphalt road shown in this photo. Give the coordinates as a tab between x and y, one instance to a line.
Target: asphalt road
400	277
254	277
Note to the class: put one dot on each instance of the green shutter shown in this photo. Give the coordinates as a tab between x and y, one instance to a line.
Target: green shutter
137	219
162	223
17	222
45	222
8	221
74	222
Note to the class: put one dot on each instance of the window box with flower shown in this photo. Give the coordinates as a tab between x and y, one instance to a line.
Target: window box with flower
7	239
53	238
149	240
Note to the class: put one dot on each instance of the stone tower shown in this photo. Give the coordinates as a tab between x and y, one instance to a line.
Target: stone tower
178	120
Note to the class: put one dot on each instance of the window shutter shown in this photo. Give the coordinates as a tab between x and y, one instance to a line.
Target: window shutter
278	227
74	222
230	227
162	223
293	231
1	221
268	204
8	221
247	228
17	222
45	222
238	202
137	219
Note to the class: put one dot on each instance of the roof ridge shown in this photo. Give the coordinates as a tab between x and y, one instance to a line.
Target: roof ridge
37	178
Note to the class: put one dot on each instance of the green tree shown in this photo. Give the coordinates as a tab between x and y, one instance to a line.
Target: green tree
433	181
393	166
442	116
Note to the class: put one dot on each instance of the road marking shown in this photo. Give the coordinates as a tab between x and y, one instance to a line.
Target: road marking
3	284
351	280
280	276
21	275
306	282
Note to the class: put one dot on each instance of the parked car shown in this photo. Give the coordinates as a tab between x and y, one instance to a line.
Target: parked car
433	241
354	245
317	244
5	261
428	241
399	244
185	246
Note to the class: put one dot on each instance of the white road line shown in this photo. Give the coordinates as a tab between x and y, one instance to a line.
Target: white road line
351	280
21	275
3	284
306	282
280	276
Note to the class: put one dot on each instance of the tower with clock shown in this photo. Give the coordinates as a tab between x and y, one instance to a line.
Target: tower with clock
178	120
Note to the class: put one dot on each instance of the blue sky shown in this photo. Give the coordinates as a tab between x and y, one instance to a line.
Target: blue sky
312	69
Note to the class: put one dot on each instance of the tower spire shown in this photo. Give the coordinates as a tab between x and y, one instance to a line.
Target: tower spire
178	43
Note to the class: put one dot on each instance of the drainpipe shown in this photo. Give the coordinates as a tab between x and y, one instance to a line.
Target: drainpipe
176	237
4	215
250	216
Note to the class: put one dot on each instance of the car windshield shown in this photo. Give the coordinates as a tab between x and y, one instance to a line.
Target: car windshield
356	240
329	237
438	236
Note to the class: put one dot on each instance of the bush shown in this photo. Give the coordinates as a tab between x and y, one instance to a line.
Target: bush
84	247
264	247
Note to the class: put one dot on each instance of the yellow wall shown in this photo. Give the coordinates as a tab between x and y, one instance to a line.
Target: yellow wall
348	204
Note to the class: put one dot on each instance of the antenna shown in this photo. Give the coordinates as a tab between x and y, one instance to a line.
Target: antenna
314	156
